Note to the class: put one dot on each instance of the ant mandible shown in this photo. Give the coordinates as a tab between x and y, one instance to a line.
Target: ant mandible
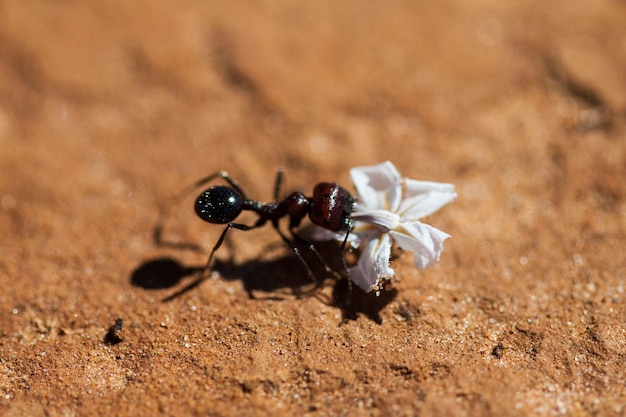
330	207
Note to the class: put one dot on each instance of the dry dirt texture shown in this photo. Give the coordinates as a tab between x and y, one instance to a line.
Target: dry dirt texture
107	109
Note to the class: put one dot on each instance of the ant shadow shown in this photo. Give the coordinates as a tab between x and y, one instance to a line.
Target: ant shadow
271	277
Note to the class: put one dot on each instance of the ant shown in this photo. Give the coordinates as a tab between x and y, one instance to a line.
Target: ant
330	207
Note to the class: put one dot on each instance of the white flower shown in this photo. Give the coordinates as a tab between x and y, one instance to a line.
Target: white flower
388	210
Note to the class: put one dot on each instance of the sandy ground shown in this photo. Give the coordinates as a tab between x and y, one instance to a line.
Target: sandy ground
108	109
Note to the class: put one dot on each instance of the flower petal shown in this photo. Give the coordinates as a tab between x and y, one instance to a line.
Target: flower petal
319	234
426	242
381	218
373	265
378	186
422	198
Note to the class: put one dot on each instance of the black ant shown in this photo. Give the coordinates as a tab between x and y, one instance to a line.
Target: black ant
330	207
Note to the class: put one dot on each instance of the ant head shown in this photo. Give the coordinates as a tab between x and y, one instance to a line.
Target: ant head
219	205
331	207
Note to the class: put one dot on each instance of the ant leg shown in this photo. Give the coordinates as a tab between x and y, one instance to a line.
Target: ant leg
345	239
196	184
159	241
278	184
315	252
296	251
191	187
223	235
224	175
343	249
202	275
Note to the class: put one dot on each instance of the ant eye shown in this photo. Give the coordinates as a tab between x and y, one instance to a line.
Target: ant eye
219	205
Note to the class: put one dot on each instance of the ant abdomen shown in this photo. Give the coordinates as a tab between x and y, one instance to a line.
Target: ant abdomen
331	207
219	205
